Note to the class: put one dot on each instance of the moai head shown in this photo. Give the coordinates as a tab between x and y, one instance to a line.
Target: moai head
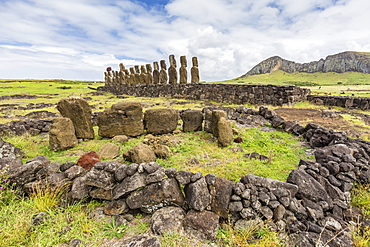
149	68
195	61
121	67
126	72
132	71
137	69
115	73
172	61
163	64
155	66
183	61
143	70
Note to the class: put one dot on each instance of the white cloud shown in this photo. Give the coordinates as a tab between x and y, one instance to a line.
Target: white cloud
78	39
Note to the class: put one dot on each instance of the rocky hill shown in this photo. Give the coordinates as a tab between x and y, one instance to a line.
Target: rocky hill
341	62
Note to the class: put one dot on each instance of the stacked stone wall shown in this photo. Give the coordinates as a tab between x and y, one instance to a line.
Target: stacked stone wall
362	103
223	93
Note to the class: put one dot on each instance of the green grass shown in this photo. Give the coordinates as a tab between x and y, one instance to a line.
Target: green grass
280	77
361	199
283	148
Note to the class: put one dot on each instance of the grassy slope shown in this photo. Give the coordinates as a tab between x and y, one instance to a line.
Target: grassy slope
345	84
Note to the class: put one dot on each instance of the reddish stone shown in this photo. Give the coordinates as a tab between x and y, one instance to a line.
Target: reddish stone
88	160
109	68
238	140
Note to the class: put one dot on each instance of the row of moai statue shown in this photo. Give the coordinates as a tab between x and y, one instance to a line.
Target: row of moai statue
145	74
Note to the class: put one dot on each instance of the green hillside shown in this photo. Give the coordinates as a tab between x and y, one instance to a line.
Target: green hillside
305	79
330	83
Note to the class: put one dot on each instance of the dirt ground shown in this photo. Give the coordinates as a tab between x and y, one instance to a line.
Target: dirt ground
335	121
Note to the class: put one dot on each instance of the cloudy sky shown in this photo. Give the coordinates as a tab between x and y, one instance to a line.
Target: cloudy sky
78	39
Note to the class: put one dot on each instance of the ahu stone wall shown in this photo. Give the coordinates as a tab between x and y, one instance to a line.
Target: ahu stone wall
223	93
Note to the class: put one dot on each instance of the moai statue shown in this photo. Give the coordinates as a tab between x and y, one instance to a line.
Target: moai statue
172	73
155	73
122	77
163	73
194	71
132	76
149	72
137	74
127	76
142	76
183	70
116	79
121	67
107	78
122	74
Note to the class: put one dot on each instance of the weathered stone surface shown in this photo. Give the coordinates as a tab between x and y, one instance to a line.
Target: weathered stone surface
161	151
161	121
215	118
74	172
8	150
184	177
197	194
27	172
10	163
120	172
220	196
48	170
121	119
141	153
168	220
279	212
100	178
109	151
62	134
225	132
129	184
155	196
79	188
308	187
151	167
156	176
192	120
308	239
203	225
270	183
79	111
120	139
88	160
116	207
99	193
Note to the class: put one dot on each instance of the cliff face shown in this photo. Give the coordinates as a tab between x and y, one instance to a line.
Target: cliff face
341	62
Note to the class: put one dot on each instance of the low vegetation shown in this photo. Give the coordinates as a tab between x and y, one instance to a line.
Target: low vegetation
190	152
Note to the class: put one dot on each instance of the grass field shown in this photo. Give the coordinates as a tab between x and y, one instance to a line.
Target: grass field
342	84
65	224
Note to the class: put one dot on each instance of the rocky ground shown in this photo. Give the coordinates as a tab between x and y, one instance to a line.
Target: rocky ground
330	119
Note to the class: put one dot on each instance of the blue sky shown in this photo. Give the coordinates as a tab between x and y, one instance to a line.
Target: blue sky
78	39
